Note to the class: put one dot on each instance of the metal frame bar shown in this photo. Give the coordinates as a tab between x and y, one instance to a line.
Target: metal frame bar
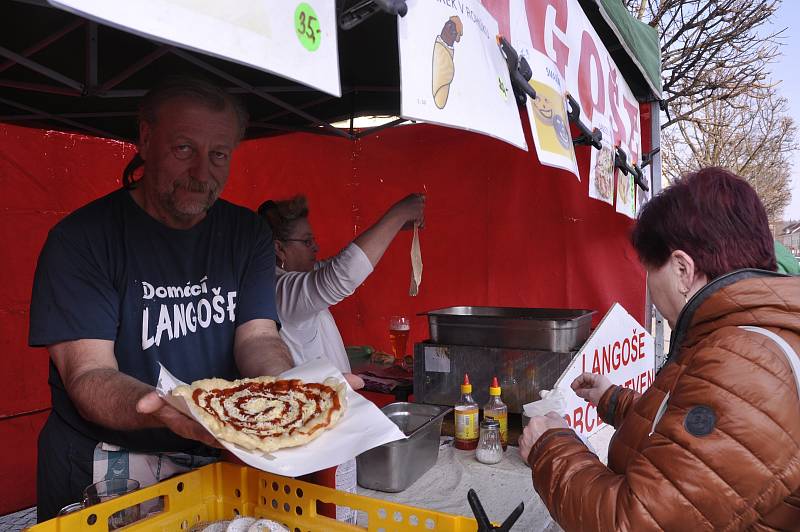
39	87
261	94
655	188
364	132
41	69
37	113
305	105
91	57
296	129
103	90
44	43
273	88
110	114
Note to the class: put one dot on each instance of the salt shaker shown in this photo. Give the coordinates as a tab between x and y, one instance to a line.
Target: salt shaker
490	450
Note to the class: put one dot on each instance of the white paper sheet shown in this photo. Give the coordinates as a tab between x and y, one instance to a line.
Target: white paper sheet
462	83
363	427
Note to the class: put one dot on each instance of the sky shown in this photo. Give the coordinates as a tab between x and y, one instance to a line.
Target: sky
787	72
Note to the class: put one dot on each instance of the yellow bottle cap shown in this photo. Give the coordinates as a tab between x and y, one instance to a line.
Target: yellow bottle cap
494	389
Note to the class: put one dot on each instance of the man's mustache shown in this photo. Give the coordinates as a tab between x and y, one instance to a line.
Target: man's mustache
193	185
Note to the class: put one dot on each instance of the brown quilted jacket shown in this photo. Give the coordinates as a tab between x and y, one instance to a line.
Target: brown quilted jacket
726	453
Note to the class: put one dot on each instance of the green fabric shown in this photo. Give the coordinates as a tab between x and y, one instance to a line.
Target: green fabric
640	40
787	263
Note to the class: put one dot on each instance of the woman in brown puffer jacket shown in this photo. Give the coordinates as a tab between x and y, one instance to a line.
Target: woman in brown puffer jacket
714	444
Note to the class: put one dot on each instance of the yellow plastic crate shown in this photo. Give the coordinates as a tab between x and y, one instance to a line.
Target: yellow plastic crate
224	491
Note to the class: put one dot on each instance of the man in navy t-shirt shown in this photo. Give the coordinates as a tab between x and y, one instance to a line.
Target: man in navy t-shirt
161	271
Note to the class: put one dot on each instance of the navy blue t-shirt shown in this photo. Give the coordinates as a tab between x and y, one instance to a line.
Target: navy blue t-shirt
110	271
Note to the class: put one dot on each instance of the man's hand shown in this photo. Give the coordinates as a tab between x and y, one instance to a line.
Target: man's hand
591	386
538	426
175	420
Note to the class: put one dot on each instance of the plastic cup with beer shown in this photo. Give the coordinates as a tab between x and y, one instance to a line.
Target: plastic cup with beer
399	327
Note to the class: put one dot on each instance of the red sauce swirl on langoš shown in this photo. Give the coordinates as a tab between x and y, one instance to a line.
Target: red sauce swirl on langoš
229	406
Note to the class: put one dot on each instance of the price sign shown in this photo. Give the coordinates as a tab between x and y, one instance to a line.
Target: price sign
306	26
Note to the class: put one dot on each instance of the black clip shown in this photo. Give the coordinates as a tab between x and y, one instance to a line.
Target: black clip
648	157
484	525
621	162
354	15
586	138
519	71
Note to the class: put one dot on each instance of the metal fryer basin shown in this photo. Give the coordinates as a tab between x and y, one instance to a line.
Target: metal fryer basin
394	466
543	329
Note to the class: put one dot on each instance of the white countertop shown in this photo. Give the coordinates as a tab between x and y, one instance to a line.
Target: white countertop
500	487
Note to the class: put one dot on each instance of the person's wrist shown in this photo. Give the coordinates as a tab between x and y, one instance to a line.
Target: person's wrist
599	395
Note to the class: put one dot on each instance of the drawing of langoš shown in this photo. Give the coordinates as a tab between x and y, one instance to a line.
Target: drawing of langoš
444	68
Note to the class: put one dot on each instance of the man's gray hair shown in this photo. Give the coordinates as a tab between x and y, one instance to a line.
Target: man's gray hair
200	90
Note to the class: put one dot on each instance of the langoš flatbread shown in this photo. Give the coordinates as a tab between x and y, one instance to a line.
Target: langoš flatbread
265	413
416	264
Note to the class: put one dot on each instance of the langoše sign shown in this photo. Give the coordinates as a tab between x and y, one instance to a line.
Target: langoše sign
619	348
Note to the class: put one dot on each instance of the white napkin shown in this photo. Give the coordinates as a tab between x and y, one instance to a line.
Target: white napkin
362	427
552	401
416	264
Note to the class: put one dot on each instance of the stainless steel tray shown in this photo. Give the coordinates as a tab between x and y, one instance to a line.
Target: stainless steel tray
544	329
394	466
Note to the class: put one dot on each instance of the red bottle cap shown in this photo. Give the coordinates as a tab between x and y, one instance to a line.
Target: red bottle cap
494	389
466	387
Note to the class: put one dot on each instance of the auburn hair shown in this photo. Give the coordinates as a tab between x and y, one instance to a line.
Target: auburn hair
714	216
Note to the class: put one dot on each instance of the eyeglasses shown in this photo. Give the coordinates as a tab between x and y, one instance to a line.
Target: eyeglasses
307	242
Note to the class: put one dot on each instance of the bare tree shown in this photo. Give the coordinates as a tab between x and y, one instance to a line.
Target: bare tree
722	108
751	134
711	50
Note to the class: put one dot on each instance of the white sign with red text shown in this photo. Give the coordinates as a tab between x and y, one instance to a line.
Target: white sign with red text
619	348
560	30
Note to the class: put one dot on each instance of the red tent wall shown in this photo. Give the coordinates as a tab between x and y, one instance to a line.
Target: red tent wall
500	230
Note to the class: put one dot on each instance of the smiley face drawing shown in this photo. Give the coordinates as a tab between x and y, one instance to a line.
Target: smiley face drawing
543	108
